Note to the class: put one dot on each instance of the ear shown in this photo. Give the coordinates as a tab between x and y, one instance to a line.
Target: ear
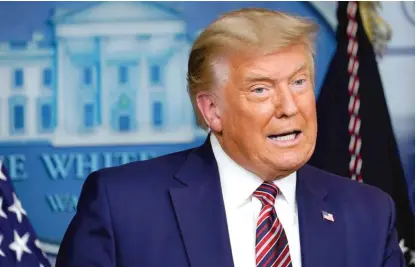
208	106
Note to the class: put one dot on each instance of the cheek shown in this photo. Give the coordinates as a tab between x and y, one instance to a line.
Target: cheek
307	107
245	117
311	123
261	114
310	113
248	114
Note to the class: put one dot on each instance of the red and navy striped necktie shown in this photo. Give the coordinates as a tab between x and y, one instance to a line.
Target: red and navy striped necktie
272	248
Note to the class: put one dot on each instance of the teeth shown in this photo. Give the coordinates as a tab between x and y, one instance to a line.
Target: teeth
285	138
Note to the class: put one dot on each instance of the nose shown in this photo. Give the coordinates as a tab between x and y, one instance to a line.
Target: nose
285	103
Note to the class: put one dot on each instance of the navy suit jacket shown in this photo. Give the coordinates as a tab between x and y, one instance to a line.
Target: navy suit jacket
169	212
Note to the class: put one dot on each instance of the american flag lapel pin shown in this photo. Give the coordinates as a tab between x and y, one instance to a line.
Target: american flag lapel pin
328	216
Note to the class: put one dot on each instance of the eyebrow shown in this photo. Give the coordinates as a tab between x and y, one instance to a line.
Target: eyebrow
302	66
254	77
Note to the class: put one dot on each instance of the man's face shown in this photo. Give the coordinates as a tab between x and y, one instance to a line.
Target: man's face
267	112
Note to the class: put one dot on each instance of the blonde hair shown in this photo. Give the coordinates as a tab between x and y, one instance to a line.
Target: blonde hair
243	31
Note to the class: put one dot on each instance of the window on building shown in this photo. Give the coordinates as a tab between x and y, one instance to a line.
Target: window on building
47	77
46	116
123	74
157	114
19	117
17	114
124	123
155	75
18	78
88	115
87	76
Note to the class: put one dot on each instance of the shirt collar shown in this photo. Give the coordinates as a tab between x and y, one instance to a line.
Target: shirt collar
239	184
287	186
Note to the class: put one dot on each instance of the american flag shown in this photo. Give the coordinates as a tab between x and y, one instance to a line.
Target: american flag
328	216
19	245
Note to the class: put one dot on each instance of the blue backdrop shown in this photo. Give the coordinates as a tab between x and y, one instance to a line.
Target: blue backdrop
91	85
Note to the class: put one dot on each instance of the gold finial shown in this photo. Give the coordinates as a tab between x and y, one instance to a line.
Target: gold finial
379	32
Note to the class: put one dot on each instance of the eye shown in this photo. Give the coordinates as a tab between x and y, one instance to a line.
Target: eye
259	90
299	82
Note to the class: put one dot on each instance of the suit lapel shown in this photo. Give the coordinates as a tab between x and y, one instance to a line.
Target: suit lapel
322	241
200	210
200	213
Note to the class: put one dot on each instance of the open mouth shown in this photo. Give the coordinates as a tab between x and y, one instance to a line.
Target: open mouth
288	136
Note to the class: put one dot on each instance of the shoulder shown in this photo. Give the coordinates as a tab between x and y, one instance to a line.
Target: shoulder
366	211
352	194
159	170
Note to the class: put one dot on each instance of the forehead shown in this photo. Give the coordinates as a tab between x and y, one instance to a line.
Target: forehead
276	65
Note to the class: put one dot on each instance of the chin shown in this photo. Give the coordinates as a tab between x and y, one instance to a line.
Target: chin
289	167
290	163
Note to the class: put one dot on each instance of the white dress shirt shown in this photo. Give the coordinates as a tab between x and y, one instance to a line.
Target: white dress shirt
242	208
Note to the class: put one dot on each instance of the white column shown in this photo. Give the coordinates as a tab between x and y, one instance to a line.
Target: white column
104	90
31	90
143	104
60	90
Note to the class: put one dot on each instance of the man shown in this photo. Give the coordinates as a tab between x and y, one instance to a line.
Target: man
246	197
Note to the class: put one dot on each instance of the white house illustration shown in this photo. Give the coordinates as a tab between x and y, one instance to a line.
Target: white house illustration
116	74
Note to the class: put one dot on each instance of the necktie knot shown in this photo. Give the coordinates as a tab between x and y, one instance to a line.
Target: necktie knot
267	193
